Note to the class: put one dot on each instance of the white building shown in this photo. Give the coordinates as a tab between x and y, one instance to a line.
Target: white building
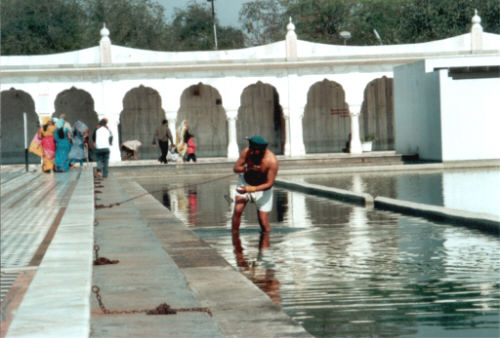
294	93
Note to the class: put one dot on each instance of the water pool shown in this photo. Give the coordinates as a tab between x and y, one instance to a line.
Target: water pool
344	270
476	190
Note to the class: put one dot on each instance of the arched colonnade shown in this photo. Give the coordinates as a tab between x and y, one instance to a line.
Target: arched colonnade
293	113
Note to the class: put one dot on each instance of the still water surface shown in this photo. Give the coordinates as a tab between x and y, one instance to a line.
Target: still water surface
474	189
343	270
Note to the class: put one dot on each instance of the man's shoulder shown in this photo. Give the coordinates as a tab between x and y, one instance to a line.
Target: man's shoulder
271	158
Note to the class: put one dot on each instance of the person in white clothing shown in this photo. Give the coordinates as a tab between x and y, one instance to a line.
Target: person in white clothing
103	139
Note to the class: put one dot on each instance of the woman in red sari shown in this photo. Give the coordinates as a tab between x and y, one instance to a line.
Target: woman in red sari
46	135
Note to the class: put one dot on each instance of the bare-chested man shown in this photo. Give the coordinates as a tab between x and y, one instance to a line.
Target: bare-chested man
258	167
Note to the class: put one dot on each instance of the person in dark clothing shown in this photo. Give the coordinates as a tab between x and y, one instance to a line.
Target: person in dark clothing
162	136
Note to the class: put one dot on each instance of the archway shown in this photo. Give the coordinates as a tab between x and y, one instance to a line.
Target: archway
141	115
377	113
14	104
201	105
261	114
323	131
78	105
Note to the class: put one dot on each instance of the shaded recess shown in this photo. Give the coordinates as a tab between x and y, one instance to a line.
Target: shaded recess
141	115
78	105
13	104
377	113
202	106
261	114
323	131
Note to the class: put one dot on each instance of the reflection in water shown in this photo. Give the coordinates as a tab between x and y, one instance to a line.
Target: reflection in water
474	189
344	270
193	205
261	271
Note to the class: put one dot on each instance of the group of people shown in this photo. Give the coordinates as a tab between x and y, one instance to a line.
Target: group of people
185	147
60	145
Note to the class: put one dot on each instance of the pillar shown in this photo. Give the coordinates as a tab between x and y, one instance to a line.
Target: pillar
295	133
105	46
355	144
232	144
291	41
287	146
476	33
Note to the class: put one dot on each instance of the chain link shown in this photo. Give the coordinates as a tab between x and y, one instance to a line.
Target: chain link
161	309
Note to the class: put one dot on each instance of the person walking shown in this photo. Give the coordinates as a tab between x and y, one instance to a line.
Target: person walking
162	136
191	148
62	136
258	167
103	139
79	151
45	136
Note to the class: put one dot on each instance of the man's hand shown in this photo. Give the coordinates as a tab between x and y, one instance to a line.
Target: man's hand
245	188
154	145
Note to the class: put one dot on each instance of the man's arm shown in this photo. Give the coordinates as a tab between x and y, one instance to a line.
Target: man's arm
169	136
154	137
240	165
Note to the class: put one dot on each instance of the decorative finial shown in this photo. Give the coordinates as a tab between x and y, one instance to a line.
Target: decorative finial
290	26
476	19
104	31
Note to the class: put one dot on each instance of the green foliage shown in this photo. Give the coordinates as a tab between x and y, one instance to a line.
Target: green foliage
396	21
263	21
40	27
132	23
31	27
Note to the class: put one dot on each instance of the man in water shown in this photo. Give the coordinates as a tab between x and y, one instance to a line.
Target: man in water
257	167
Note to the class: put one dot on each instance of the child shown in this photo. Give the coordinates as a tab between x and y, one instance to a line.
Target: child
191	147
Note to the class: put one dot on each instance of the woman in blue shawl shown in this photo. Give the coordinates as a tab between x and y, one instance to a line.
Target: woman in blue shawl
62	136
79	151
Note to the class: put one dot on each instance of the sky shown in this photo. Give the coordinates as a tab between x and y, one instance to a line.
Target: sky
226	11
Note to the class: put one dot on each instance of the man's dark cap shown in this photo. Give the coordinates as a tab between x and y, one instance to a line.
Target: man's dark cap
257	142
164	121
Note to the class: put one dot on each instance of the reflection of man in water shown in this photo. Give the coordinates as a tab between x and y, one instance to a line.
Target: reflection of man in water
259	272
258	167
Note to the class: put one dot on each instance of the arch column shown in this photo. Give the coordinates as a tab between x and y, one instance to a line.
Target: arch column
296	143
171	116
44	103
232	144
355	144
287	147
111	110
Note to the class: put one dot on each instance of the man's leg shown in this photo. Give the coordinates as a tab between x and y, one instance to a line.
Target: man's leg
105	164
264	221
164	151
239	206
99	159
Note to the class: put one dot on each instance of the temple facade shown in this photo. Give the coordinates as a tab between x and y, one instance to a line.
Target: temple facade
303	97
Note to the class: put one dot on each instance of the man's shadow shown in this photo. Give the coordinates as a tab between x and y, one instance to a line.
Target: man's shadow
256	271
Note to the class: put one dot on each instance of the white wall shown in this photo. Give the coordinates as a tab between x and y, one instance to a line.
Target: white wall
417	125
470	114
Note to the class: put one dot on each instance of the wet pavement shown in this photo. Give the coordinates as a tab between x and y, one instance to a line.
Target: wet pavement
48	236
159	261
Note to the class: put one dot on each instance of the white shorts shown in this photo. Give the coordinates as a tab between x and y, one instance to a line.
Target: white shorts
262	199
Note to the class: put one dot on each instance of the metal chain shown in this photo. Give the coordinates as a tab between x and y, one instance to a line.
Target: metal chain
162	309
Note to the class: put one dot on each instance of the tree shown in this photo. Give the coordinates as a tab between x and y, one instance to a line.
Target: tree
30	27
426	20
397	21
192	29
132	23
40	27
263	22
